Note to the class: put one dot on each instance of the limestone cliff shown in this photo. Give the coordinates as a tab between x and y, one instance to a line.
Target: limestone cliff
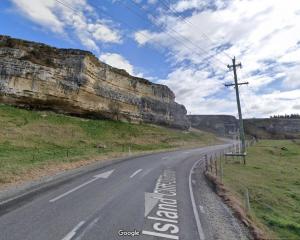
222	125
76	82
263	128
273	128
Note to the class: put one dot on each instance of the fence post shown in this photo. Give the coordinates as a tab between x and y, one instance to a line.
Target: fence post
216	166
247	201
221	170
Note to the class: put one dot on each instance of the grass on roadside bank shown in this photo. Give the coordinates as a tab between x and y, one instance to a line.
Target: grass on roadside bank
272	176
32	142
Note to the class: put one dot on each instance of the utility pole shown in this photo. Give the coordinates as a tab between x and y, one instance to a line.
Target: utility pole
236	86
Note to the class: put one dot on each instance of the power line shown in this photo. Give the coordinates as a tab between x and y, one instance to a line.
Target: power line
80	14
189	22
167	33
236	85
247	109
183	37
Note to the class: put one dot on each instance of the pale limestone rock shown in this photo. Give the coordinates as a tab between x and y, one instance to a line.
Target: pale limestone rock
75	82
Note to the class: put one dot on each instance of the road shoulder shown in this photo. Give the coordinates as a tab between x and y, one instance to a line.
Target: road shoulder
218	221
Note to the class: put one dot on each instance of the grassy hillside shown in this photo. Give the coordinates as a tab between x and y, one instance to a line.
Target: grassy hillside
272	176
36	143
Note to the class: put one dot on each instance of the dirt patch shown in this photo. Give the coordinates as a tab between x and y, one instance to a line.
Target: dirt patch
237	208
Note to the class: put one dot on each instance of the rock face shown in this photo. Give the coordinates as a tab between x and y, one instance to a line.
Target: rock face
76	82
273	128
263	128
222	125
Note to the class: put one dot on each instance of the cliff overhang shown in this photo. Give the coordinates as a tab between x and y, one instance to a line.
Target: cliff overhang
75	82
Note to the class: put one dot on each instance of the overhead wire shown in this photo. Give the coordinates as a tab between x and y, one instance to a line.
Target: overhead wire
180	35
192	24
79	13
246	107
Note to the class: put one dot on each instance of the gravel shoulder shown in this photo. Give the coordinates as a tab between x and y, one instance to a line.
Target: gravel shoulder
217	219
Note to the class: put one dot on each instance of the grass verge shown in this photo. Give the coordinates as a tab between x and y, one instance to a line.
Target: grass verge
273	180
33	143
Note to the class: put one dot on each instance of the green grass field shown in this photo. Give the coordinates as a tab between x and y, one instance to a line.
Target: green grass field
33	141
272	175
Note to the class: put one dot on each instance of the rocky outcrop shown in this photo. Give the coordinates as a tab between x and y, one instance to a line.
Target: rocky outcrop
263	128
222	125
76	82
273	128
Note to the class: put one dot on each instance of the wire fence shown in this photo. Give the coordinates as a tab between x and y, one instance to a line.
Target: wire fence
214	165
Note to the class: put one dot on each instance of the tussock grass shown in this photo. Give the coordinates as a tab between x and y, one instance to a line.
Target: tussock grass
31	141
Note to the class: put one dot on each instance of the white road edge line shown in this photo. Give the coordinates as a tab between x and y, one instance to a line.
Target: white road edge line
71	234
135	173
195	210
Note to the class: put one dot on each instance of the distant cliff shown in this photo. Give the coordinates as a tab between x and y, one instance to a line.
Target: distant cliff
75	82
273	128
264	128
222	125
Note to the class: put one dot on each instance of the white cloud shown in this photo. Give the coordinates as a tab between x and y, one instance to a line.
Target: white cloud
276	102
261	34
118	61
83	20
143	36
152	1
40	12
292	81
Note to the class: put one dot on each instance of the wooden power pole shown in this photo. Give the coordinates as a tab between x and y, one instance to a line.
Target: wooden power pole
236	86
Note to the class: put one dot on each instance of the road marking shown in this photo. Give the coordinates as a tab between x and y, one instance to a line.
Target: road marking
71	234
151	200
96	177
163	219
135	173
105	174
201	209
196	214
156	234
186	152
163	200
87	228
164	158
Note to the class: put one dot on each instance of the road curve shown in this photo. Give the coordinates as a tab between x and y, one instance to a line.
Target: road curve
158	196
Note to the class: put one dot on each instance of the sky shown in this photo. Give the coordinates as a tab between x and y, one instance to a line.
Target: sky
184	44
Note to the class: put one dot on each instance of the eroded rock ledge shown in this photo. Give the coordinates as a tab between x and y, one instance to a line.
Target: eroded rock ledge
75	82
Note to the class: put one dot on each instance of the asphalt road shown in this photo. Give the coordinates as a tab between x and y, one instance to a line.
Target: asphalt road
159	196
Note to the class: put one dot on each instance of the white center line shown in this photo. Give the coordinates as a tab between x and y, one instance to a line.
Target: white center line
73	232
135	173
